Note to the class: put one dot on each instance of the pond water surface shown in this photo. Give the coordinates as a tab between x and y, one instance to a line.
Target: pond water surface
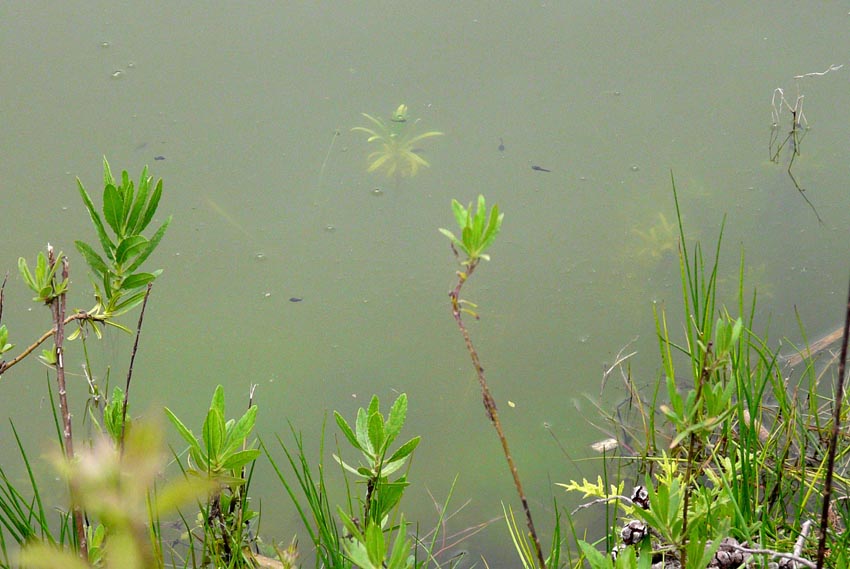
289	266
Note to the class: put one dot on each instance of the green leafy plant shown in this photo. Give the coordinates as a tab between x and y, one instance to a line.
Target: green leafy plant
5	346
221	455
127	211
220	452
398	155
43	280
317	513
478	230
372	435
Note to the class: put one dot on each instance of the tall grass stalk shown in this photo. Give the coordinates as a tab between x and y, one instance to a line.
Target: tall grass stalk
318	516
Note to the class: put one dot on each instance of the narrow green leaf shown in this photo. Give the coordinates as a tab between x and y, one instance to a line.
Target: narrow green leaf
128	193
239	431
375	545
107	174
151	209
346	431
347	466
45	293
353	529
200	458
218	400
130	247
237	460
493	227
376	432
138	204
187	435
105	241
401	550
404	450
152	244
95	261
594	557
374	406
213	433
361	427
460	213
396	418
127	304
24	270
136	281
469	243
480	217
389	467
41	269
113	208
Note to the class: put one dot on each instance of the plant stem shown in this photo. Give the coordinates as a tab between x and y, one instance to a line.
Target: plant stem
4	366
2	293
490	404
132	360
57	305
833	439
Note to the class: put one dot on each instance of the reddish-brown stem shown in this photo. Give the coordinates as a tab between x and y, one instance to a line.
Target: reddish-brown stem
132	360
57	305
490	404
2	293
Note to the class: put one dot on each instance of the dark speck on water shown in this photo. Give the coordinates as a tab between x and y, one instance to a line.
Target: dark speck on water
501	145
540	168
295	299
159	157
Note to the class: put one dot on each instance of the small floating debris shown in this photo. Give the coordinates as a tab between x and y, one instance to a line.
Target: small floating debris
634	168
604	445
537	168
295	299
160	157
511	404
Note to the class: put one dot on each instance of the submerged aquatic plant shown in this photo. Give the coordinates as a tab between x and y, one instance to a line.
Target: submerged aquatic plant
398	156
658	240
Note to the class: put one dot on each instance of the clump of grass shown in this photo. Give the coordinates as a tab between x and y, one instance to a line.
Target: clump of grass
737	461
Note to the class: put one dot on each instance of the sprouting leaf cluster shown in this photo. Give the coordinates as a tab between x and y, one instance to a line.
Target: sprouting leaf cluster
372	436
42	281
220	453
127	212
5	346
478	229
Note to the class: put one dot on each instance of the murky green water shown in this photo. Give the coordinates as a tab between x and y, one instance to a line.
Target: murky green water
243	103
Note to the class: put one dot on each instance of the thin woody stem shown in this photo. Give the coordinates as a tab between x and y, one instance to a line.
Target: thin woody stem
490	404
57	305
132	361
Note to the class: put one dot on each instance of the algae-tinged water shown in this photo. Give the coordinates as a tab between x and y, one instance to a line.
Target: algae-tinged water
241	104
